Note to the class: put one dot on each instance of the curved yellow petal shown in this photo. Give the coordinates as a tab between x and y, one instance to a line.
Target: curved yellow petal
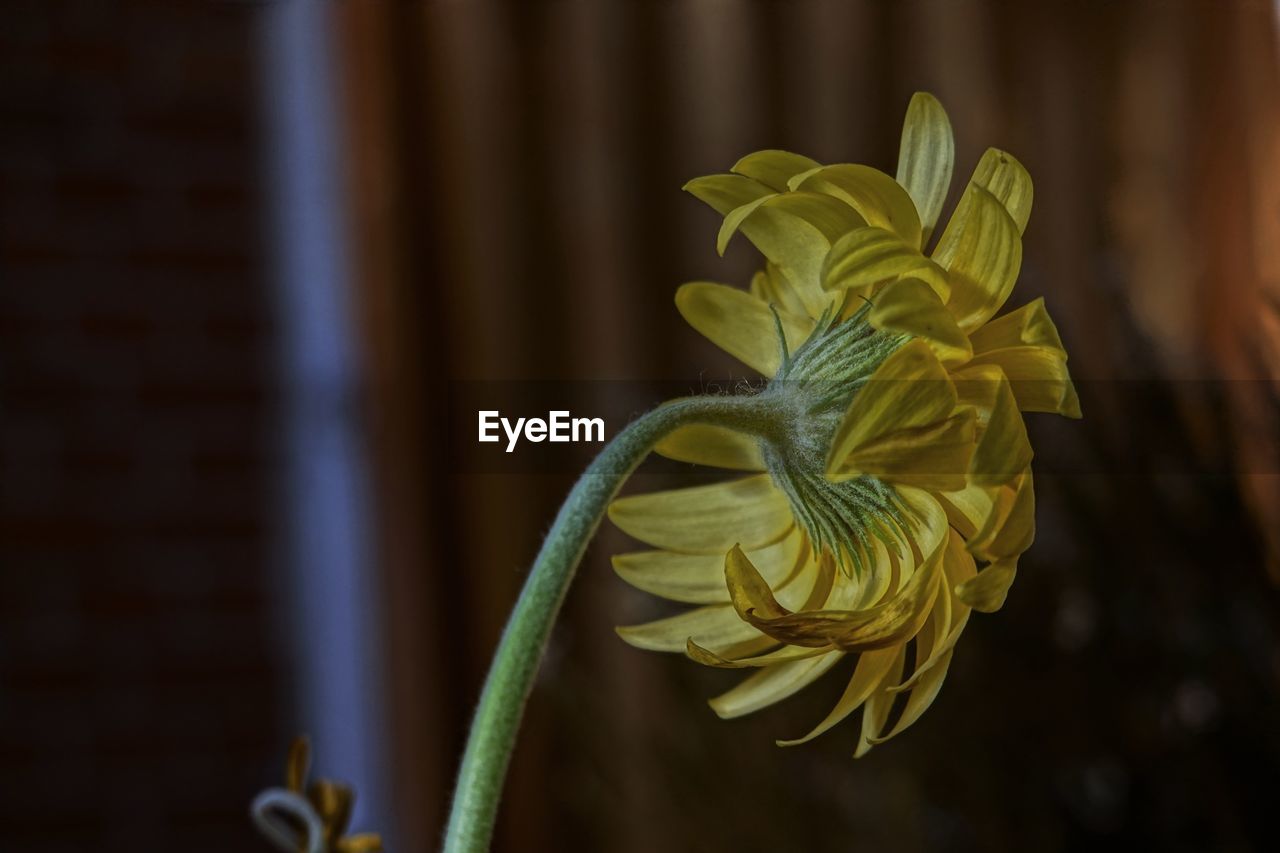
774	168
714	626
936	629
879	578
1029	325
1000	174
928	522
872	668
772	684
923	694
699	578
903	615
719	630
815	573
717	446
733	221
909	389
987	590
958	566
878	198
706	657
911	307
726	193
879	704
771	286
1010	527
868	256
707	519
1003	450
1038	376
904	422
925	158
968	509
981	250
740	324
894	621
795	231
937	457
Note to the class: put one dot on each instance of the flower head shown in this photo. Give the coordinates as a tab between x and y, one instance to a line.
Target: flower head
893	495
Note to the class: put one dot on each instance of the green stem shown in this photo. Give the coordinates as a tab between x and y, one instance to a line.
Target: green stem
515	663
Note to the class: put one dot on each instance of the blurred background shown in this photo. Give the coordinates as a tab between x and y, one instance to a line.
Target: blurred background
250	252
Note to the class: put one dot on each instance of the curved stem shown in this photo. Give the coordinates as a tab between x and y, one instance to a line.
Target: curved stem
515	663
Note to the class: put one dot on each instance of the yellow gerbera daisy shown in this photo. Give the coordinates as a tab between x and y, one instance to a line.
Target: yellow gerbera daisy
893	495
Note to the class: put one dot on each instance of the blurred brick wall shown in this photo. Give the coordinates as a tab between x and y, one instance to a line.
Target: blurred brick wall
140	685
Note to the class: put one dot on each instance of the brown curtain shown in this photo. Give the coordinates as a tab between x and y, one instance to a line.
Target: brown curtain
516	172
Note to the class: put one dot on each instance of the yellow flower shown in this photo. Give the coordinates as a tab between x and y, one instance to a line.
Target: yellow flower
898	496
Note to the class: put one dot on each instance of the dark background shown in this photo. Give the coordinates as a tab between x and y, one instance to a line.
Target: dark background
501	183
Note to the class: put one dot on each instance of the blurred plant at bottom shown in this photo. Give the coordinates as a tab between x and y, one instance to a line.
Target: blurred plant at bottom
309	819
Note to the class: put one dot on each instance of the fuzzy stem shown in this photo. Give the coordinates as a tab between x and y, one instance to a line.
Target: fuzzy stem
515	663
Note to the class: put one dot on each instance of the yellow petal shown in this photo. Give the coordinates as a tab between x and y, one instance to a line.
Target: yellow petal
1000	174
740	324
928	522
719	630
707	519
925	158
749	591
826	588
969	508
733	221
878	198
987	590
935	457
1038	376
997	522
922	695
715	626
878	579
706	657
908	392
911	307
725	193
872	668
869	256
909	389
795	231
934	632
699	578
879	704
958	566
902	616
772	684
1003	450
1010	528
773	168
895	621
771	286
717	446
1029	325
982	253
